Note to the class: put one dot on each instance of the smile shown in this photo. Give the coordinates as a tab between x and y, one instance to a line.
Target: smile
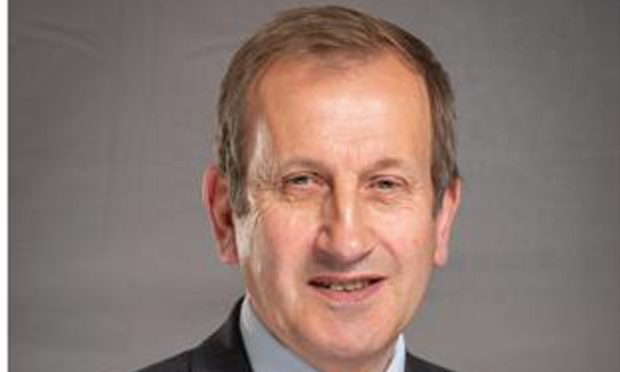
344	286
346	290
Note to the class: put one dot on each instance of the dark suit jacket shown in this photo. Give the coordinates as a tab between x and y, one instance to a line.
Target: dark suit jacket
224	351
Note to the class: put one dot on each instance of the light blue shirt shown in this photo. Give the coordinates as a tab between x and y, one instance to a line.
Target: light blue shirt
268	355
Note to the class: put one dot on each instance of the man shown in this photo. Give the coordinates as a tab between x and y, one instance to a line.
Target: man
335	193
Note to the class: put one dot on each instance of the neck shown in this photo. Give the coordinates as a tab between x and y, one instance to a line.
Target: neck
375	363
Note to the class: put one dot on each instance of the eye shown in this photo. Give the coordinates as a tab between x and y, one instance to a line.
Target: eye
299	180
302	186
386	183
301	183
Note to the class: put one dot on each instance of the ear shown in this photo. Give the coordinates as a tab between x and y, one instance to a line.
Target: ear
444	221
216	200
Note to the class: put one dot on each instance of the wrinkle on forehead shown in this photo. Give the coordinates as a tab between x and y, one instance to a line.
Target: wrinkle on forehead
302	105
341	93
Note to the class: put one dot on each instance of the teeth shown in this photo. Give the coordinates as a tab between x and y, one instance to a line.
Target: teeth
348	287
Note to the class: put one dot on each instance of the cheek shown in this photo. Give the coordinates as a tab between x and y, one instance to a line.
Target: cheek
279	258
283	241
408	233
411	244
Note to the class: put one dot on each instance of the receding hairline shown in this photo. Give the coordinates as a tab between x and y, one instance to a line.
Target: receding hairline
337	59
333	62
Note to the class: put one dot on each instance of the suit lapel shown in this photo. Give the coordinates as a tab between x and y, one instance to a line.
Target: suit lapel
415	364
224	350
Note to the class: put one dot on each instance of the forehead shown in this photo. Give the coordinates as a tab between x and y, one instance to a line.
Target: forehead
341	100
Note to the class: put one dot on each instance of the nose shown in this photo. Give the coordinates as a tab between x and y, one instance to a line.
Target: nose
344	238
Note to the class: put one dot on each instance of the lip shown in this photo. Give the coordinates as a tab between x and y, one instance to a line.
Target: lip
343	297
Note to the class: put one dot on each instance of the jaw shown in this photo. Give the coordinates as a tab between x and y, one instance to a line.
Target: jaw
346	330
335	322
344	350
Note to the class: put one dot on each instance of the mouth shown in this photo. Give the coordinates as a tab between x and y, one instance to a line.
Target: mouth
350	289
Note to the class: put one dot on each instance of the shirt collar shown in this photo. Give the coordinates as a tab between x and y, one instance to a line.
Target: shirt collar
267	354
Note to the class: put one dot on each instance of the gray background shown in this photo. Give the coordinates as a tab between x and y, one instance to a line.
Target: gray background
111	260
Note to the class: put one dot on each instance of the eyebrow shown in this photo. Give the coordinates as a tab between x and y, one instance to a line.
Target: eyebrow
303	162
383	164
380	164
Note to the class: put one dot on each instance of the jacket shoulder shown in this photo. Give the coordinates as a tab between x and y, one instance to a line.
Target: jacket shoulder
416	364
177	363
223	351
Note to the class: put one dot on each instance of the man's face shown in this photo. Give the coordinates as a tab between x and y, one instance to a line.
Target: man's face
340	241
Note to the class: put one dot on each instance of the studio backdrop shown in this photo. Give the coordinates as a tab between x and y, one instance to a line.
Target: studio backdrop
112	262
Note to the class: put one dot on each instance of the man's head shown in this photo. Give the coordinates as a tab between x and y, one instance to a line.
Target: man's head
334	33
337	185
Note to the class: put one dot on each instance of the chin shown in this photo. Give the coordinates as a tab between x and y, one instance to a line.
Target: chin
350	343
